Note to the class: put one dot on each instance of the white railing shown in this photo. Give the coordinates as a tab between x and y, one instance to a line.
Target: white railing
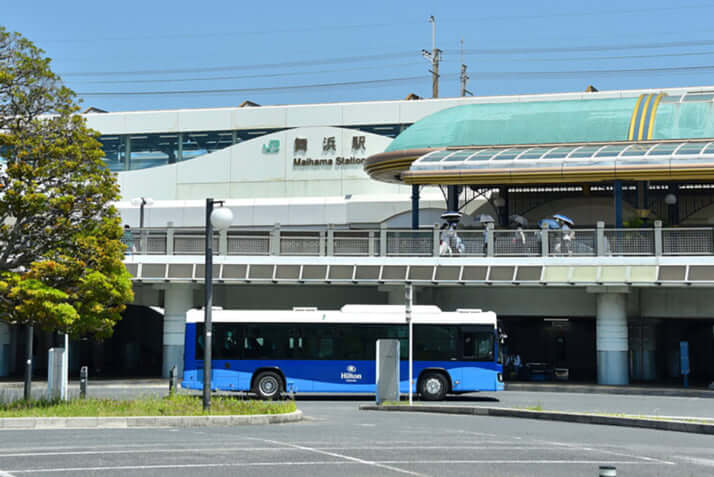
327	241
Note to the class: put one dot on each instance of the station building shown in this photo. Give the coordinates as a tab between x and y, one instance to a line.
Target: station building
336	204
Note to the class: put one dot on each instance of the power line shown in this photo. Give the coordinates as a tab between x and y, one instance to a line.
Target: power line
342	27
482	75
286	64
630	46
263	75
388	56
555	74
616	57
268	89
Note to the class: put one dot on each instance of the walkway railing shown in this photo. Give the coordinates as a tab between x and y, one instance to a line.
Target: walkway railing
327	241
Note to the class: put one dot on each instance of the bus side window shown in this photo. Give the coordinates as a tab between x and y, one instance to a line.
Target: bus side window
469	345
485	343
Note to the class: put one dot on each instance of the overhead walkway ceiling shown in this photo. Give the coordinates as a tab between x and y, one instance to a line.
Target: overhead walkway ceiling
462	271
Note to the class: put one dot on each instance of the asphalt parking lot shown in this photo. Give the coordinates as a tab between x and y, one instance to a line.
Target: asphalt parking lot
338	438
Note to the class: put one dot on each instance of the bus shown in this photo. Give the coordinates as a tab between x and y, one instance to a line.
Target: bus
269	352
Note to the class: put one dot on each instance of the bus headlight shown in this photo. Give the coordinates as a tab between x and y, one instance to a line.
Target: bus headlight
500	377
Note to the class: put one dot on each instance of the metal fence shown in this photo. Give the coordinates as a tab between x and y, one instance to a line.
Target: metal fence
428	242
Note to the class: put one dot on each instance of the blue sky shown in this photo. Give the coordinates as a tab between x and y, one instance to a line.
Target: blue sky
220	53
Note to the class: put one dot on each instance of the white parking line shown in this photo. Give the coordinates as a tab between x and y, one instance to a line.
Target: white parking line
221	450
349	461
175	466
5	474
697	460
591	448
342	456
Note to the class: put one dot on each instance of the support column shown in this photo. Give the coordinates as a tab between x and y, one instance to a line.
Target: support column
504	209
415	206
178	300
4	349
395	294
452	198
617	191
611	339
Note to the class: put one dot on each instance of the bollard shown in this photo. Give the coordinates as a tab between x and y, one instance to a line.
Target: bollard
83	372
608	471
172	380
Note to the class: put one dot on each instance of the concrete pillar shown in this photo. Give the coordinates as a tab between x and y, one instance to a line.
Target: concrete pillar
395	294
617	192
178	300
415	206
611	339
4	349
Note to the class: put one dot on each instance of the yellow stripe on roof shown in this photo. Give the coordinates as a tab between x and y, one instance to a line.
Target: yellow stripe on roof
643	116
631	134
652	115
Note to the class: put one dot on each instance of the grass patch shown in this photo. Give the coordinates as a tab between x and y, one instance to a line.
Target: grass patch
177	405
396	403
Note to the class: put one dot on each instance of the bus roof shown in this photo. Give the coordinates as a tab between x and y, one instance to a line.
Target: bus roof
348	314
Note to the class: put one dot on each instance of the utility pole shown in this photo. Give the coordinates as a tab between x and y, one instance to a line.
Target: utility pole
435	56
463	77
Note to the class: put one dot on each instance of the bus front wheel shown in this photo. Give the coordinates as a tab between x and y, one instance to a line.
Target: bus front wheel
268	385
433	387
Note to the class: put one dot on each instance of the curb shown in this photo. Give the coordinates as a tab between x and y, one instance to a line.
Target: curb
144	421
602	389
678	426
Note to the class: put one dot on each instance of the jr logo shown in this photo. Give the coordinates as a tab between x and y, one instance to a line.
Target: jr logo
272	147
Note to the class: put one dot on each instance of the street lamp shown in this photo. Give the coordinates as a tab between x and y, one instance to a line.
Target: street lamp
221	219
141	202
671	201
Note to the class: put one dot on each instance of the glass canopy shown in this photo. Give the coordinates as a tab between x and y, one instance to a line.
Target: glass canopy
657	154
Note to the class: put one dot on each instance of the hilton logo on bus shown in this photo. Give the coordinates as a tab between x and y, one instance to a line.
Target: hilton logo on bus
351	374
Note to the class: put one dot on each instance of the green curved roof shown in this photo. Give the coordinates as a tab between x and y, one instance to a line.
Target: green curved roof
563	121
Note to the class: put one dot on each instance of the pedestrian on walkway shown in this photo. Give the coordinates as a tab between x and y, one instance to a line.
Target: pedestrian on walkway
128	240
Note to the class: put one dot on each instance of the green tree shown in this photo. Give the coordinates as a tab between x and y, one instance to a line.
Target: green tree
60	251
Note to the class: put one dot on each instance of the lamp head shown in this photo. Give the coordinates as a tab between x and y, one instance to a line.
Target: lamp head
670	199
221	218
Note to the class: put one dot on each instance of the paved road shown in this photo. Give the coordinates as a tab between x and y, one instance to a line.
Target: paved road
338	438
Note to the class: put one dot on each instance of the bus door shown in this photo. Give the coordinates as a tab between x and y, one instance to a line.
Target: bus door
478	354
226	352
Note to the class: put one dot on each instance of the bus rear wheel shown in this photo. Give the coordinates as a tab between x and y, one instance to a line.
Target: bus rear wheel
268	385
433	387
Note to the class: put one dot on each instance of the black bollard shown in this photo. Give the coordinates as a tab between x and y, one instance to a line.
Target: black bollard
607	471
83	373
172	380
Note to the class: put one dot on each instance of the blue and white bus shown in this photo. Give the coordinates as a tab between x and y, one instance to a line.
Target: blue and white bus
308	350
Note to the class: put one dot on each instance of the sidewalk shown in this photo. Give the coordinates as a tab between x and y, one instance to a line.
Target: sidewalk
637	389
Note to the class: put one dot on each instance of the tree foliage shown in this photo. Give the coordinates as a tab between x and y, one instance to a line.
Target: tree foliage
60	251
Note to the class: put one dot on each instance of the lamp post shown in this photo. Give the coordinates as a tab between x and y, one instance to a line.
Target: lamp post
221	219
671	200
142	202
408	300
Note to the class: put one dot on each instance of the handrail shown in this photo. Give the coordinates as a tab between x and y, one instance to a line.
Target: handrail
331	241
